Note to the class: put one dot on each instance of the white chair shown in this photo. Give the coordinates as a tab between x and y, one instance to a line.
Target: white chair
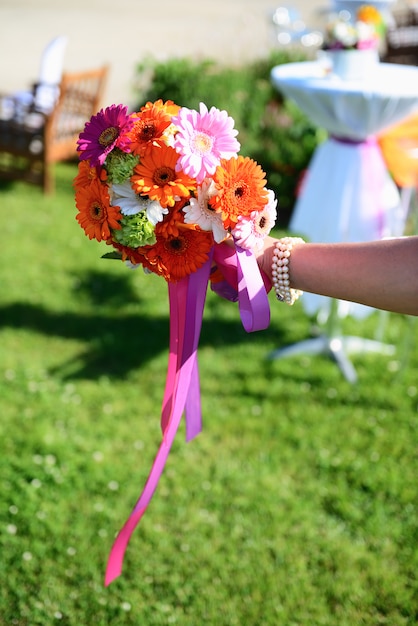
45	91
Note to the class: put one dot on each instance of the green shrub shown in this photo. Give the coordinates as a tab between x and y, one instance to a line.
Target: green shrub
272	130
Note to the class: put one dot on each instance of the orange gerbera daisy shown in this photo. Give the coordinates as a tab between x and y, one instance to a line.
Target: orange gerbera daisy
95	214
175	257
169	106
241	189
156	176
149	125
169	227
86	174
134	255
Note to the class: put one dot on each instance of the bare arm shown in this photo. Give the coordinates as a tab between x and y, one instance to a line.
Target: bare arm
381	274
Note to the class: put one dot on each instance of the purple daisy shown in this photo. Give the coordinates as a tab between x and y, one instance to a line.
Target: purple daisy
103	132
203	138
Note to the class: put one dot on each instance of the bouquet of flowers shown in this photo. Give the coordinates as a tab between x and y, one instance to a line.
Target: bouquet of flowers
166	188
364	33
161	186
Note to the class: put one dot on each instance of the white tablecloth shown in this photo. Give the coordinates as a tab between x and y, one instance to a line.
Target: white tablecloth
353	109
348	194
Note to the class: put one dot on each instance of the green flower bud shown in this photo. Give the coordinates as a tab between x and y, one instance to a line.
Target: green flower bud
136	231
120	165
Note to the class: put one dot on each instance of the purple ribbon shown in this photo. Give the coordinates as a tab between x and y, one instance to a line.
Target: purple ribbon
182	391
354	142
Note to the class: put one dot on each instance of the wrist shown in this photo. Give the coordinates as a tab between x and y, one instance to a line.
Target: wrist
281	272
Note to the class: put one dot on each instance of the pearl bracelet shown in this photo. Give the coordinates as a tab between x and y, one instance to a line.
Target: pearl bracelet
280	270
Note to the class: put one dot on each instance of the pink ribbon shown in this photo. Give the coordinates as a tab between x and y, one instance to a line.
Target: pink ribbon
373	170
182	391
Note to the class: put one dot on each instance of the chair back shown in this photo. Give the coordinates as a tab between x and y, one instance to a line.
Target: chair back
32	141
50	74
402	38
80	96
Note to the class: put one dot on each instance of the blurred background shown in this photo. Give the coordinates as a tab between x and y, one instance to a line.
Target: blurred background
125	32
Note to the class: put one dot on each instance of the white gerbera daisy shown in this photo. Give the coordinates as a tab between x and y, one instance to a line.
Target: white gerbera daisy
199	212
131	203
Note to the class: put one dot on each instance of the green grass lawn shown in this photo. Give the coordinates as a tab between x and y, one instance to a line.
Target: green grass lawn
296	506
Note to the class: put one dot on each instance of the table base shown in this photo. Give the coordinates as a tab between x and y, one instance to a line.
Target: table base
334	344
338	348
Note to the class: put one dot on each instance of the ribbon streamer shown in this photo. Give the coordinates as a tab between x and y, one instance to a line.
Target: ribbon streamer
252	296
182	391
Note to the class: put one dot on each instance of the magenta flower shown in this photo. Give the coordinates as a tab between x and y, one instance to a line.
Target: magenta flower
203	139
105	131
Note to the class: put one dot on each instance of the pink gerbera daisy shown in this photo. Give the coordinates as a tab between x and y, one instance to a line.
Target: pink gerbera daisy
250	231
103	132
203	139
